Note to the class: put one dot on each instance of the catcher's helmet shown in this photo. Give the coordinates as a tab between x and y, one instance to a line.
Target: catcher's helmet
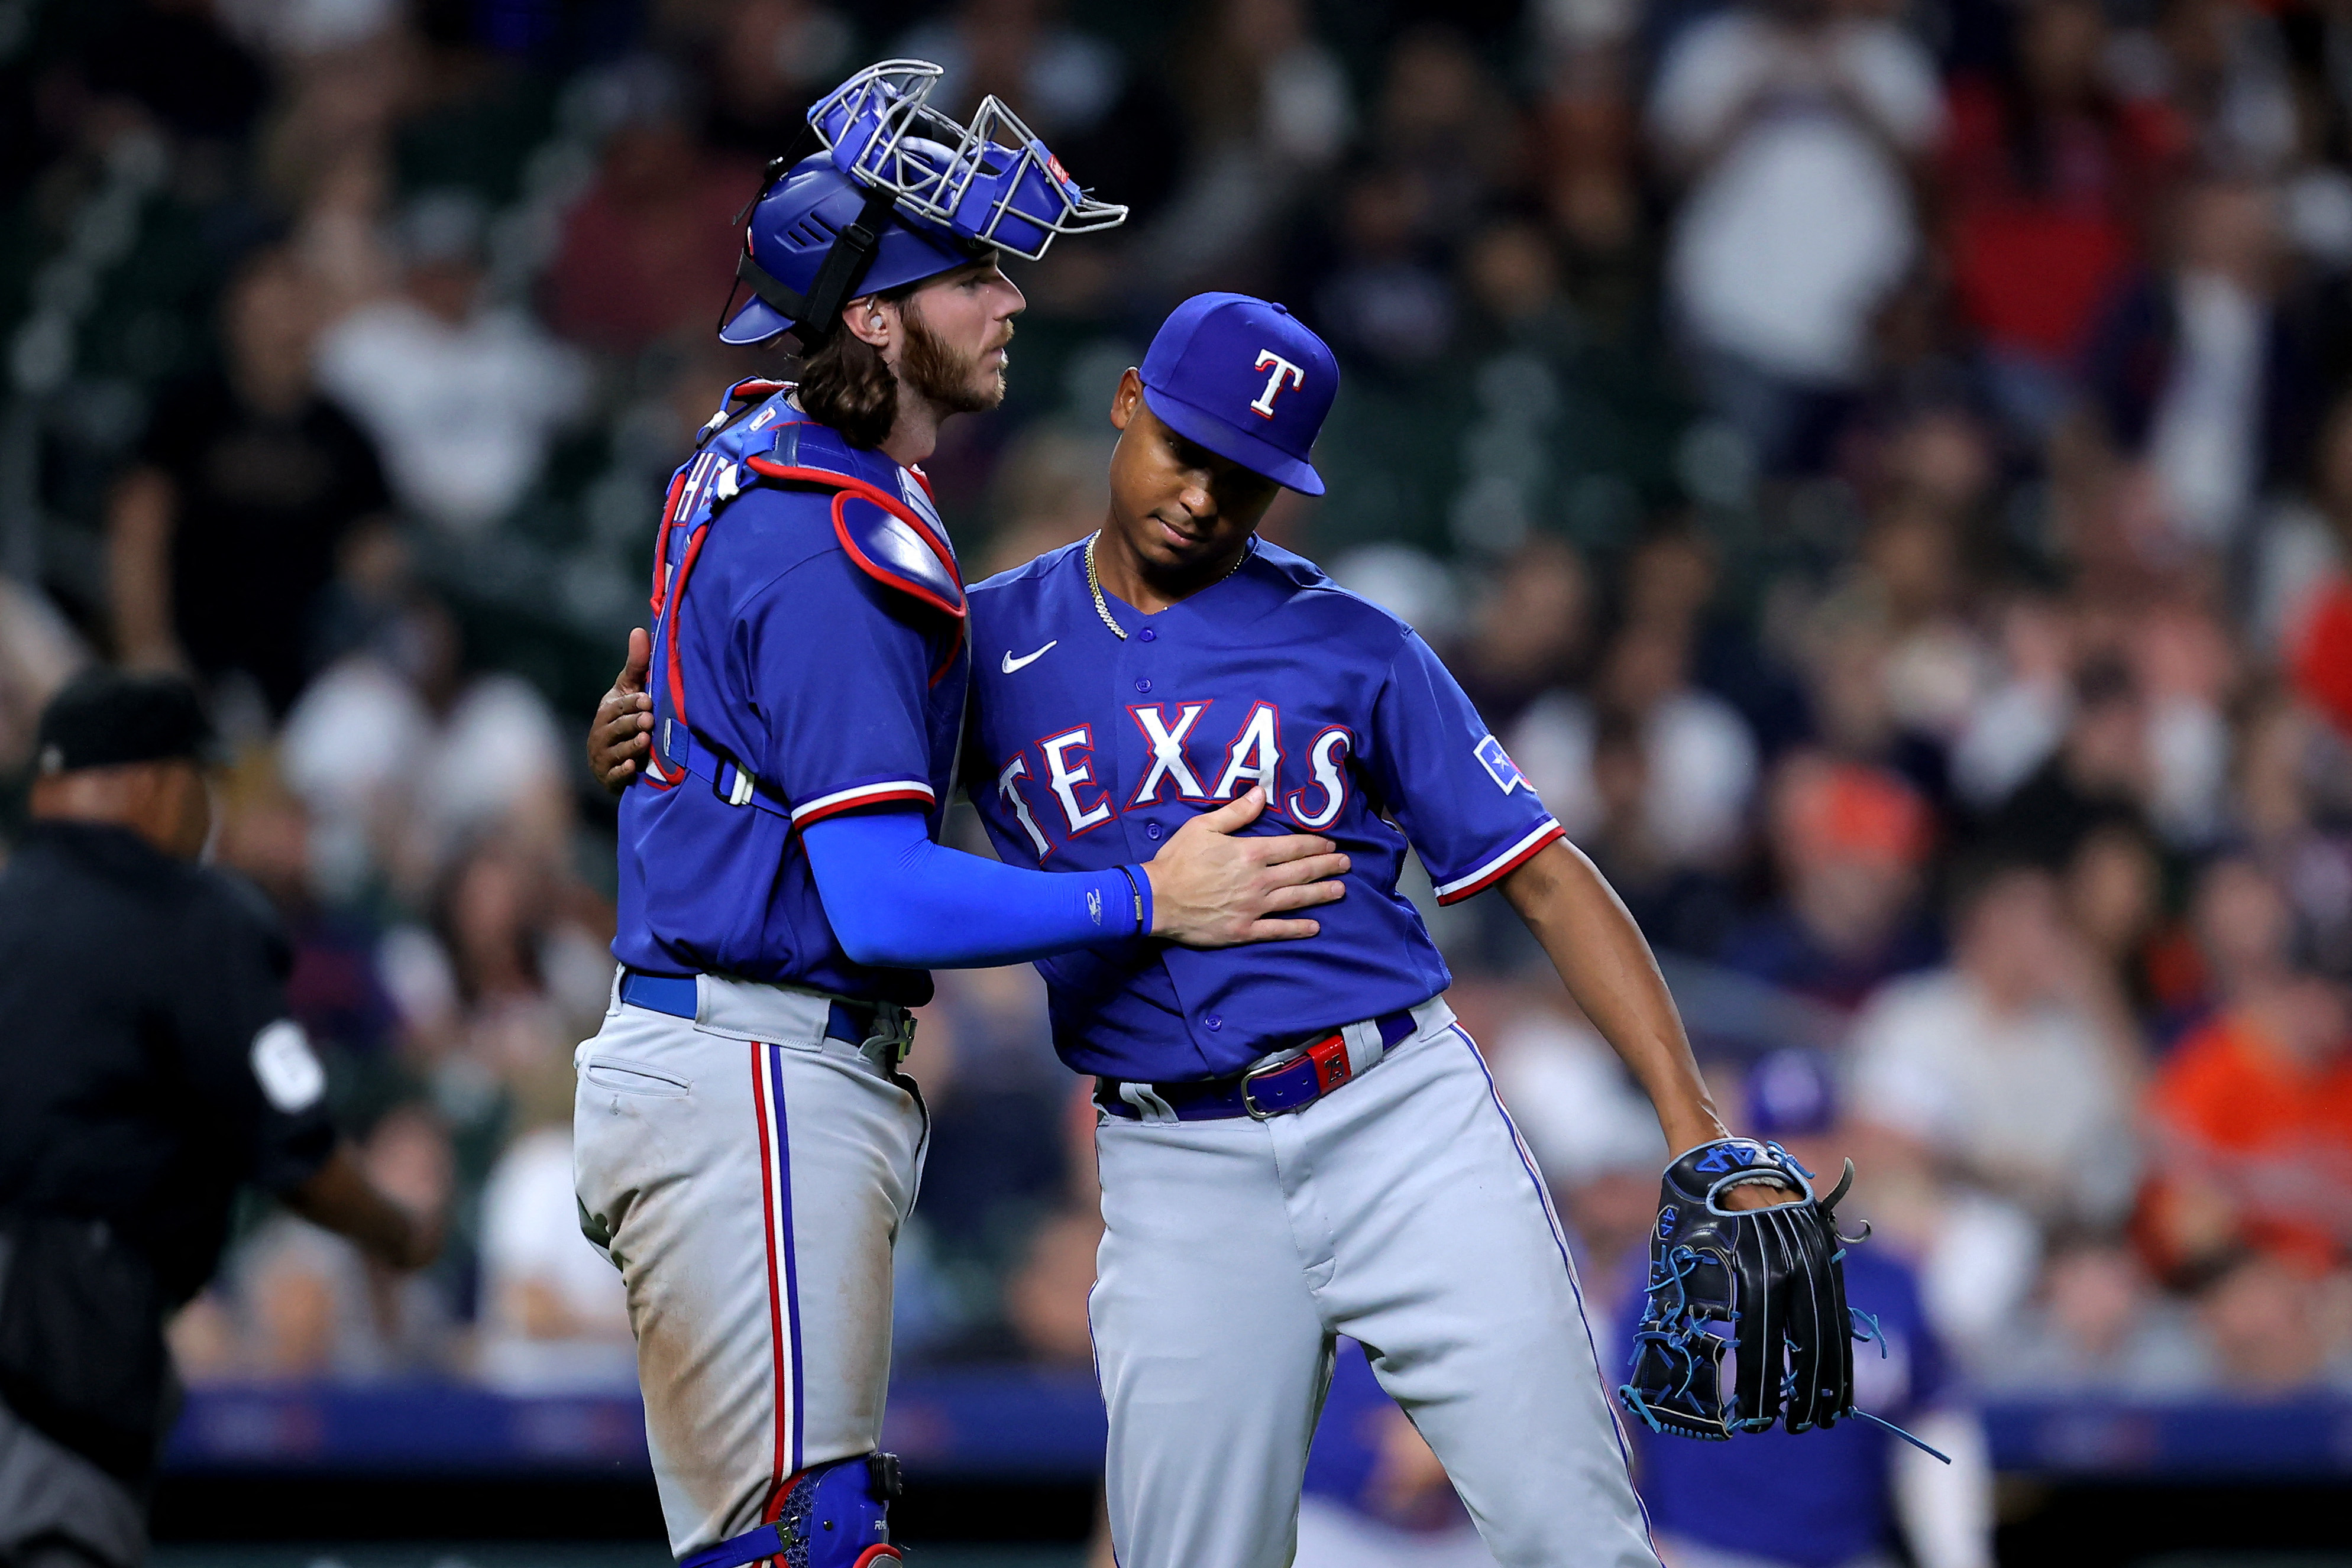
901	192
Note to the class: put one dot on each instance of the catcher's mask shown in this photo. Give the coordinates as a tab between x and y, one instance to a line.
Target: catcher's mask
901	192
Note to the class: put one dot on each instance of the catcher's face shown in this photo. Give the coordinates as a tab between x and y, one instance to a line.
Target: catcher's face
954	331
1176	506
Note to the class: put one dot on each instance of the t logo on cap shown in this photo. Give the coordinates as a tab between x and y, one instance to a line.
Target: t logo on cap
1274	387
1218	354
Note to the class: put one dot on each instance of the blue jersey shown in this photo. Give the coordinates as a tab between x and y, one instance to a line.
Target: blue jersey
1090	750
1813	1499
811	663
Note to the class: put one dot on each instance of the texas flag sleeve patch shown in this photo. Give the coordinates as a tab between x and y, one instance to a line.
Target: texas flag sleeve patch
1500	768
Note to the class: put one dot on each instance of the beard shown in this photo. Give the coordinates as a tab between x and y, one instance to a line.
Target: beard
936	371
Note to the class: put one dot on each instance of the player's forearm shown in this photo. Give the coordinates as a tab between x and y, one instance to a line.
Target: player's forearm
897	900
1608	969
340	1197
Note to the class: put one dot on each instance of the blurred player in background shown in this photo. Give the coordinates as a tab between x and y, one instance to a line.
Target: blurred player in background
1836	1498
1376	1496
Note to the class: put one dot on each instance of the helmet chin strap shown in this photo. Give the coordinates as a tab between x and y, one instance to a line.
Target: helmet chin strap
815	315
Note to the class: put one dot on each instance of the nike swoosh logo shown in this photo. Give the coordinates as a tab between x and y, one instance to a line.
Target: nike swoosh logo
1012	664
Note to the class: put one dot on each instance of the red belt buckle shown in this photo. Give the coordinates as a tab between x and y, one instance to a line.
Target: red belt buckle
1327	1057
1330	1058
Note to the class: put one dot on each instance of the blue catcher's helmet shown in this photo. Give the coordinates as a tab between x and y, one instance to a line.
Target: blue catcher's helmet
901	192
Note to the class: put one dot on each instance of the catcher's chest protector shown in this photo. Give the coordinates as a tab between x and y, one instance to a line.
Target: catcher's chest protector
896	539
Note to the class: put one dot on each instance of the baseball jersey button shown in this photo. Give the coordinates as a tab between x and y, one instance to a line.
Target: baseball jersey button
1143	686
1150	829
1213	1021
1150	635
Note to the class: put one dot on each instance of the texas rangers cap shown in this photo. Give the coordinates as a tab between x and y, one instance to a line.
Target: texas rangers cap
1246	380
109	717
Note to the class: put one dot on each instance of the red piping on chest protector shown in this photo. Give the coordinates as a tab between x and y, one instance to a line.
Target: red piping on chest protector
673	668
673	601
661	539
845	486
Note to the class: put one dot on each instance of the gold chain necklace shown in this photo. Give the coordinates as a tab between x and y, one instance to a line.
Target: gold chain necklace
1094	583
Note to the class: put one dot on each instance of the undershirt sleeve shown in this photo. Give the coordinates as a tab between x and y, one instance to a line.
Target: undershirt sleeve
897	900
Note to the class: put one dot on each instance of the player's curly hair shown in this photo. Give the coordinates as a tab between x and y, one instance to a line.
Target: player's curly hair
844	384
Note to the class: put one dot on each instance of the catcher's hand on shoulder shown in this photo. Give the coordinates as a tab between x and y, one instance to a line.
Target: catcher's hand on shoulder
1744	1254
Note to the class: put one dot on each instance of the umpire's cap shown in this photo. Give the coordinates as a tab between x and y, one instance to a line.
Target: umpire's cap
109	718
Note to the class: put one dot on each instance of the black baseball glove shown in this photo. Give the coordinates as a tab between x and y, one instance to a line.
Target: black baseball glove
1772	1277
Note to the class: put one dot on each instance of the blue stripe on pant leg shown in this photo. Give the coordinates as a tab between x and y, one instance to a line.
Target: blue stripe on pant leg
792	1255
1560	1239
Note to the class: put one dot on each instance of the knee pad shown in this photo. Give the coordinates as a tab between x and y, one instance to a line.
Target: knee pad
833	1515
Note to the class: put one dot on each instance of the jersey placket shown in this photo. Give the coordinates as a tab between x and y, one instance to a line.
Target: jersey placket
1136	676
1141	680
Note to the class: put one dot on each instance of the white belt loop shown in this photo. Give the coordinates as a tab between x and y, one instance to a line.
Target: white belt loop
1365	1048
749	1009
1147	1103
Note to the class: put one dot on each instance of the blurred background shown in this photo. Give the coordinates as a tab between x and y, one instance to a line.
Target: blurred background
1885	470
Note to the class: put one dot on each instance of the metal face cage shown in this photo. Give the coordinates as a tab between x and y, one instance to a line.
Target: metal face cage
992	181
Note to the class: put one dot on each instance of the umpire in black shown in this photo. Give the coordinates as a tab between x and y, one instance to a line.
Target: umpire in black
147	1070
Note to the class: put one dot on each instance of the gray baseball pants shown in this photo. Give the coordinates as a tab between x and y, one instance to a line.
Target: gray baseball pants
1403	1210
748	1176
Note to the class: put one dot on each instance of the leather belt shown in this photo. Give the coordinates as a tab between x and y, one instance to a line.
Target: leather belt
677	996
1264	1092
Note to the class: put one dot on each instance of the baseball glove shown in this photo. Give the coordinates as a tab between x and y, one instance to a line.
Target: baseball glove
1772	1279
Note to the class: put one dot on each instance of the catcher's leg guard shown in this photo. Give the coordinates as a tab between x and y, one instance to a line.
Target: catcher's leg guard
828	1516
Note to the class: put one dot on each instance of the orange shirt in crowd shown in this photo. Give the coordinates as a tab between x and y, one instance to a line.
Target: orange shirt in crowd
2240	1116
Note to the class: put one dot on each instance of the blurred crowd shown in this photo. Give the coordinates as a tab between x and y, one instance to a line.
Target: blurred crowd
1884	471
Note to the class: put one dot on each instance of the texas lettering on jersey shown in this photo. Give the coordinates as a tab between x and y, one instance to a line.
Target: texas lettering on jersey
1074	793
1089	750
1277	678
